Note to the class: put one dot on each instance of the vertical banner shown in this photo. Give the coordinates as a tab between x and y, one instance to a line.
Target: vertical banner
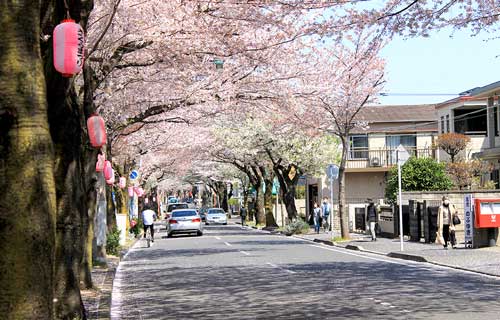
469	221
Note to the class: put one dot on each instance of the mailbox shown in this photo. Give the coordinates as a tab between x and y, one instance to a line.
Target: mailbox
487	212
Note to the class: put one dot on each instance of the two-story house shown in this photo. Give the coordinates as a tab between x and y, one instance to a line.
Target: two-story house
475	114
372	153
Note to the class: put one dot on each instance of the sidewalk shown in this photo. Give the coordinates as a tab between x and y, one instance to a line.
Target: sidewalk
483	260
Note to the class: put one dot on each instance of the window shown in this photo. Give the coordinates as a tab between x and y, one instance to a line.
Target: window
184	213
358	147
471	120
447	123
442	124
495	115
409	141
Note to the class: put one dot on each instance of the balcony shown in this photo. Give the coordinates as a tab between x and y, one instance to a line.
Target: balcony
364	160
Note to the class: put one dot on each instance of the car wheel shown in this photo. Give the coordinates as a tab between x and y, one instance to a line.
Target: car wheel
206	223
169	235
225	223
199	233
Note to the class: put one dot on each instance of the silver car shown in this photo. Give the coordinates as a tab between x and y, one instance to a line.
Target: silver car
184	221
216	215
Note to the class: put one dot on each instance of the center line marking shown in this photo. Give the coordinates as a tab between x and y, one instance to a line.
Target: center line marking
217	238
228	244
245	253
278	267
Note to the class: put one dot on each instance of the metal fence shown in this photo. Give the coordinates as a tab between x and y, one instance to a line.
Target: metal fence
370	158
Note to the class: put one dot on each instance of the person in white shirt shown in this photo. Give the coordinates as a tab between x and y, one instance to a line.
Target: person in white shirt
148	219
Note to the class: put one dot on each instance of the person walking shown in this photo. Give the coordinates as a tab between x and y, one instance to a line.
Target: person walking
317	214
326	213
243	214
148	219
446	226
372	218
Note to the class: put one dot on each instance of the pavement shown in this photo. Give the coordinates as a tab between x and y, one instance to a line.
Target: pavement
482	260
234	272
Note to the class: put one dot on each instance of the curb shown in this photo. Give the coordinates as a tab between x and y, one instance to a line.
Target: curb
405	256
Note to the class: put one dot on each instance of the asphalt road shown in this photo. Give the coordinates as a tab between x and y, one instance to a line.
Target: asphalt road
234	273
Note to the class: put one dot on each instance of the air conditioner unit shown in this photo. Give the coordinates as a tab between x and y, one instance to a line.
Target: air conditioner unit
375	162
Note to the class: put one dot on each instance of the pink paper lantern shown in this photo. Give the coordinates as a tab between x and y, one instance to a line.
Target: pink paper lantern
122	183
108	170
68	46
97	131
99	166
130	192
139	191
112	179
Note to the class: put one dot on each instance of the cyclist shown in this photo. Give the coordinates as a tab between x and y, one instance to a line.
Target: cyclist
148	219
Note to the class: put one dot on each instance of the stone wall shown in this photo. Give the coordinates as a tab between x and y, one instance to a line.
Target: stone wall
456	198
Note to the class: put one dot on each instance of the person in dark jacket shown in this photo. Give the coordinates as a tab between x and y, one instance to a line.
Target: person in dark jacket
372	218
243	214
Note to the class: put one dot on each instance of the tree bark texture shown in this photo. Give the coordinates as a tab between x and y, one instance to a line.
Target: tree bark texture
28	203
268	198
288	178
344	220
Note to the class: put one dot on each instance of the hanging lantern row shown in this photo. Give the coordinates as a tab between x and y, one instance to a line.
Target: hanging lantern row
68	45
97	131
108	170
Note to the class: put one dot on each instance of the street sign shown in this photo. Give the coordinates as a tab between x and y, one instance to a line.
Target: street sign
133	175
469	221
401	154
332	171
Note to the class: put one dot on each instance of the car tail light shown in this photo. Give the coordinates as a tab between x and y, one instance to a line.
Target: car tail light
172	221
196	220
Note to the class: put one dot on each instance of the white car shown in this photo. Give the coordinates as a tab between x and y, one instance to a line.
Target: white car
216	215
184	221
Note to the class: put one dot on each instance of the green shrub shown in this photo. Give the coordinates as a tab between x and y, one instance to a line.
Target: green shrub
113	242
136	229
418	174
297	227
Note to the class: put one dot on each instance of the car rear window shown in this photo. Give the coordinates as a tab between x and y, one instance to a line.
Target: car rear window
216	211
172	207
186	213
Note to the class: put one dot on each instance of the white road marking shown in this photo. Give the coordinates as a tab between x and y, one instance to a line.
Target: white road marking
359	255
218	238
245	253
228	244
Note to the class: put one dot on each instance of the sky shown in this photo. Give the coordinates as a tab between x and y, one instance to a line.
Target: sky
444	63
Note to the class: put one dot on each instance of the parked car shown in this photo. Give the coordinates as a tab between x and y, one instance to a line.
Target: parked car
216	215
203	214
174	206
184	221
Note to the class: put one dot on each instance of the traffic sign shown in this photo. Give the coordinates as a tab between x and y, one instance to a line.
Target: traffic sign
332	171
401	154
133	175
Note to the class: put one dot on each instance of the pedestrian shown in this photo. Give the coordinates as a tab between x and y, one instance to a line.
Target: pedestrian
326	213
243	214
372	218
148	219
317	217
446	226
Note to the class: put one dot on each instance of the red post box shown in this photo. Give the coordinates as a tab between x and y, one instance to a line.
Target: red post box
487	212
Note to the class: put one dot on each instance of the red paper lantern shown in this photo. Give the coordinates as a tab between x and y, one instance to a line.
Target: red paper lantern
99	166
112	179
68	46
108	170
123	182
97	131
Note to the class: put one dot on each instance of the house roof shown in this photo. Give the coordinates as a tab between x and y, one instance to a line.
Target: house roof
399	118
398	113
484	91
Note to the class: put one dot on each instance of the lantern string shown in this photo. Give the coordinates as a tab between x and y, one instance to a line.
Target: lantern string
67	10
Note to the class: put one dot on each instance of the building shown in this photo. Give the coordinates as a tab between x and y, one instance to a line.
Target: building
371	154
476	114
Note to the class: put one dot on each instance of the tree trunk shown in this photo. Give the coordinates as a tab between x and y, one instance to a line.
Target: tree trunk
260	215
288	178
344	220
28	201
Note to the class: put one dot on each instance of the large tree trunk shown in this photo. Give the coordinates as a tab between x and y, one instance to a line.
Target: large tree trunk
344	220
260	215
288	177
28	202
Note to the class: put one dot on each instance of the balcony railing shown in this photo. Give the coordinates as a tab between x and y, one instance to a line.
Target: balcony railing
382	158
